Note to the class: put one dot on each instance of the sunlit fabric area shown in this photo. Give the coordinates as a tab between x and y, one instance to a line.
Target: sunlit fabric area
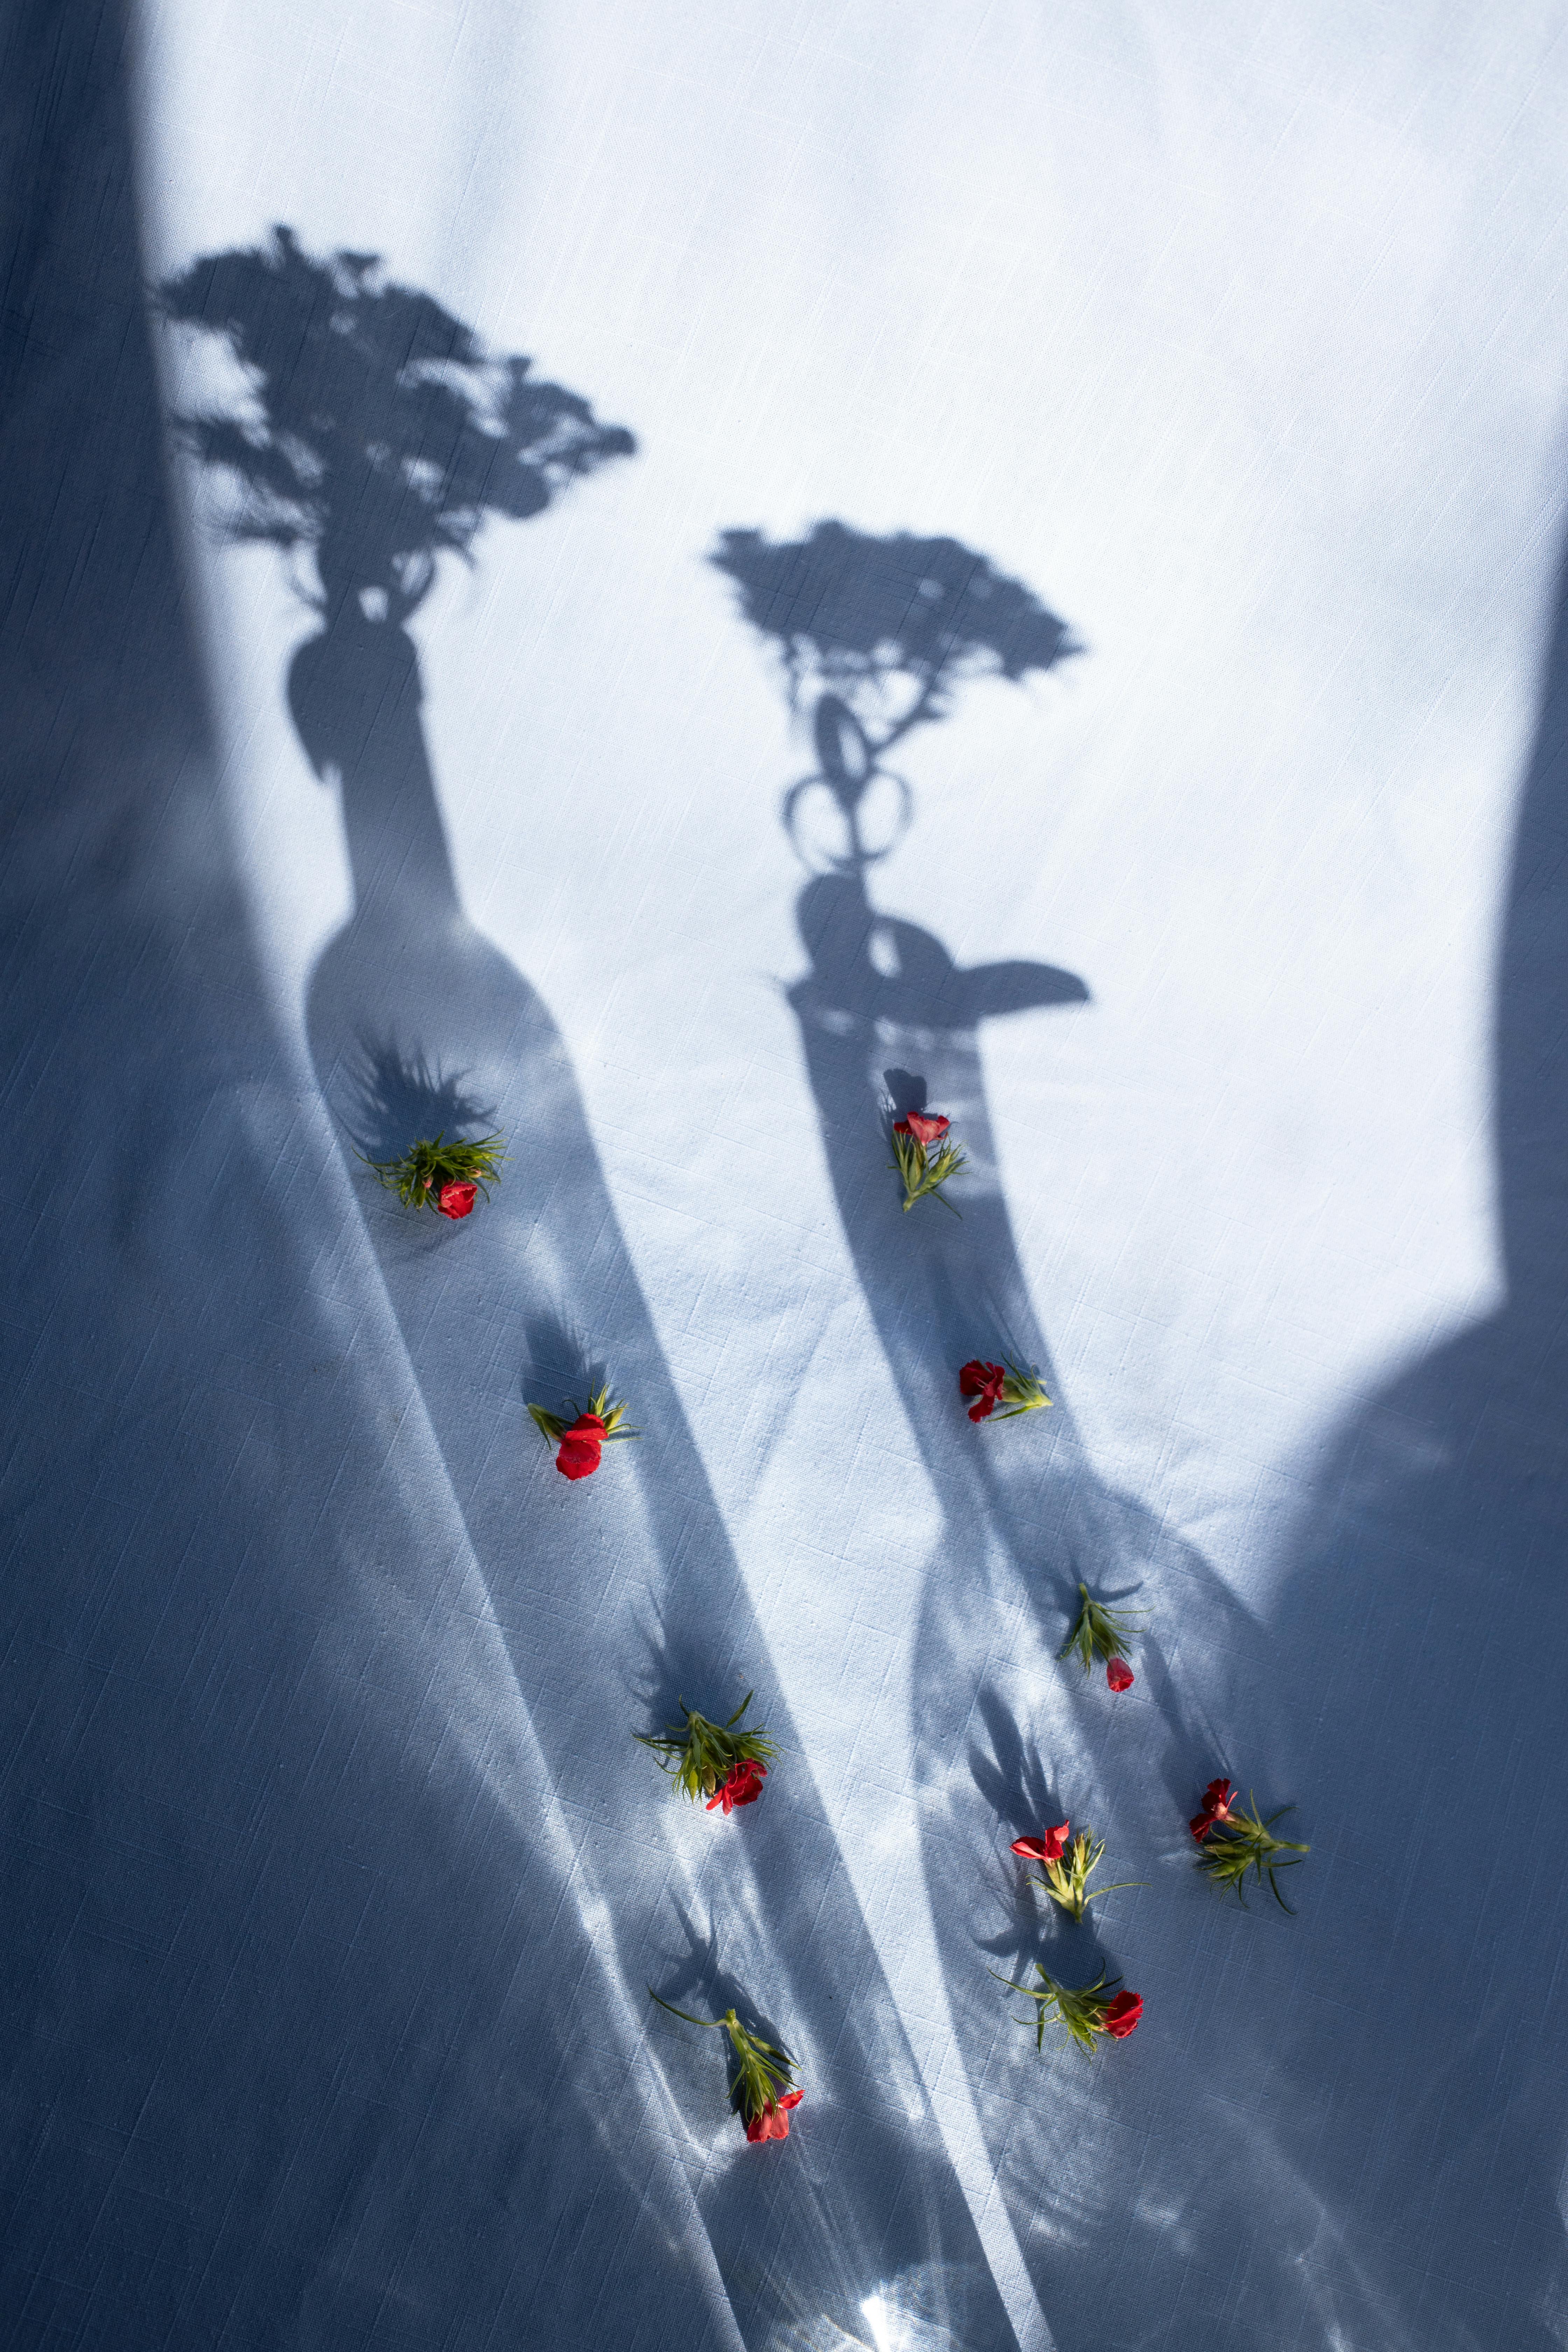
904	667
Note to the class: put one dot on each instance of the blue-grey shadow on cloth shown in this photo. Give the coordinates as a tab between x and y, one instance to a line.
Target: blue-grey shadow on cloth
296	2057
883	630
1422	1635
399	434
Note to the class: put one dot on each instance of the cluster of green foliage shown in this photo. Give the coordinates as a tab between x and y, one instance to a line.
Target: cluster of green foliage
701	1755
1098	1631
763	2073
418	1175
1066	1881
1023	1391
611	1410
925	1168
1082	2012
1242	1842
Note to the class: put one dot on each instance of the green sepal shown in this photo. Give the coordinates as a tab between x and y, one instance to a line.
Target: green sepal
1022	1392
552	1427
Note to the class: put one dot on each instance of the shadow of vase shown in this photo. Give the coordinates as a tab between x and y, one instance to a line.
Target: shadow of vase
889	1023
414	1016
1421	1616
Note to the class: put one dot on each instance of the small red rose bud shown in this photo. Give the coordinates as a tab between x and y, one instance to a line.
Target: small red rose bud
1123	2015
582	1447
743	1787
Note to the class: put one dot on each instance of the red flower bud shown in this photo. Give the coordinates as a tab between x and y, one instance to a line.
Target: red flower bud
743	1787
926	1127
1119	1674
581	1447
771	2122
984	1382
1123	2015
456	1200
1049	1848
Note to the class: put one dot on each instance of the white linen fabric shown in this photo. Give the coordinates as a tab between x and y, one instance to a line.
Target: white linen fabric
1020	578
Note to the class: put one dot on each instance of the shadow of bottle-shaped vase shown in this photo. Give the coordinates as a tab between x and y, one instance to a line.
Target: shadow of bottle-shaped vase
617	1593
889	1023
414	1018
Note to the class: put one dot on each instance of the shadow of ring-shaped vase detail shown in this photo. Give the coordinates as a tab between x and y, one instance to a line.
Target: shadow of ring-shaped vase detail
850	811
373	444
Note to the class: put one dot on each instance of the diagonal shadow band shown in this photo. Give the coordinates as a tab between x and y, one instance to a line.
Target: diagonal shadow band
314	2043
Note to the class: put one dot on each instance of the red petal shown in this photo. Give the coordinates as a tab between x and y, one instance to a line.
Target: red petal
757	2126
1201	1824
983	1410
1123	2015
791	2098
1032	1849
1056	1840
927	1126
457	1199
1119	1674
578	1458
